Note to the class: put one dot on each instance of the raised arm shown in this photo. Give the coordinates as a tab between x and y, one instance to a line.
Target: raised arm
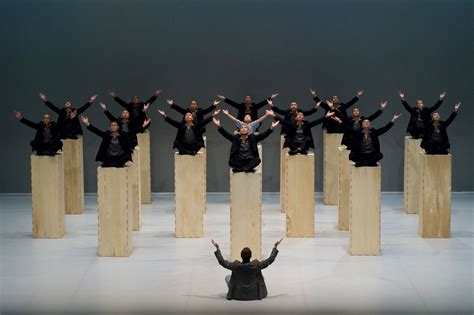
378	112
226	112
453	115
153	98
387	127
172	122
229	101
93	129
176	107
29	123
267	262
282	121
404	102
110	116
84	107
438	103
209	109
275	108
221	130
207	120
49	104
353	100
118	100
261	136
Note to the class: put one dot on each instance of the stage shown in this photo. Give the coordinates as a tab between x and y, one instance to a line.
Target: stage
167	274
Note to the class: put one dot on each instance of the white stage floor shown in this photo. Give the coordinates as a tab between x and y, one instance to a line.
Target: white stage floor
165	274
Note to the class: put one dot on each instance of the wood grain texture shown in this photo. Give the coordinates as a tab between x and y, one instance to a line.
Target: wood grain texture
134	189
145	166
73	175
412	178
331	142
283	152
344	188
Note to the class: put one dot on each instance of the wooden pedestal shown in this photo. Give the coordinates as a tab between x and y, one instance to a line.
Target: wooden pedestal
412	175
260	154
189	194
332	141
47	190
115	215
73	175
300	195
283	152
344	188
145	166
364	211
435	196
134	189
245	213
204	152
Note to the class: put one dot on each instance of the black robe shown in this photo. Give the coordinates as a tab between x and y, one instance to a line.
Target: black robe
438	147
106	139
330	125
196	128
356	154
38	143
348	136
253	110
133	129
289	116
198	115
292	127
425	114
137	115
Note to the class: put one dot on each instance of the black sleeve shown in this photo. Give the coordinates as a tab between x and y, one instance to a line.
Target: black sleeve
261	104
450	119
310	112
172	122
226	135
121	102
350	103
151	99
110	116
384	129
224	263
208	110
267	262
282	121
83	108
52	107
323	104
316	122
232	103
29	123
278	110
436	106
97	131
262	135
406	106
204	122
376	114
179	109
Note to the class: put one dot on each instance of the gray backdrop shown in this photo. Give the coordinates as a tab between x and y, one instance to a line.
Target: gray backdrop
197	49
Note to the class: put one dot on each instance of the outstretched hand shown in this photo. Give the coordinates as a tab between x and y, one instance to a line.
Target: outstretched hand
113	94
278	242
270	101
216	102
442	95
43	97
270	112
275	123
457	106
217	111
330	103
330	114
402	94
395	117
274	95
157	92
359	93
146	122
313	92
92	99
221	97
73	114
318	104
104	107
169	102
162	112
383	105
215	244
18	115
85	120
146	106
216	122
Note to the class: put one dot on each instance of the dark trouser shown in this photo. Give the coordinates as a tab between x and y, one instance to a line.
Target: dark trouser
247	165
46	148
301	147
188	149
367	159
436	148
115	161
417	133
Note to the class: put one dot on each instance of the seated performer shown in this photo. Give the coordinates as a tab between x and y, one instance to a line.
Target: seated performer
124	124
289	114
244	155
115	149
246	282
189	139
435	139
420	116
299	138
356	122
247	107
47	140
331	125
197	112
365	148
136	108
68	117
252	125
